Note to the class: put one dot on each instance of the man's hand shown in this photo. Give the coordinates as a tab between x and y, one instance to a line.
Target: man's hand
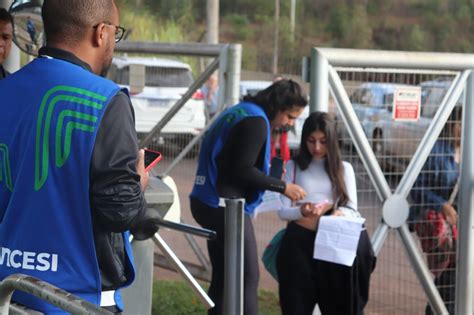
450	213
294	192
144	177
147	226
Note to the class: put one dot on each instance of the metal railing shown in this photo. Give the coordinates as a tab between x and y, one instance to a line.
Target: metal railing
47	292
227	59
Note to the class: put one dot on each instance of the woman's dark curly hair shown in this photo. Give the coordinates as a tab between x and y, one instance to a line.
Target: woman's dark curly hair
280	96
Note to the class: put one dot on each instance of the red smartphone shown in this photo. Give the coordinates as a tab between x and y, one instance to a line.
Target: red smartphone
151	159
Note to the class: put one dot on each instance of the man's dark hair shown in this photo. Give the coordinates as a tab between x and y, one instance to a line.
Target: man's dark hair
280	96
5	16
68	21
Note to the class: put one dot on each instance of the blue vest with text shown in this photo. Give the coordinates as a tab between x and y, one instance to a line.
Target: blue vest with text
206	176
51	111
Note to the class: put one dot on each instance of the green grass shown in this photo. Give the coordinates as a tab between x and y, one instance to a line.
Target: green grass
177	298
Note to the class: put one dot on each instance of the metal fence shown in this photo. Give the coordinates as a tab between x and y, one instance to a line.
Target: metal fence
395	208
63	300
395	288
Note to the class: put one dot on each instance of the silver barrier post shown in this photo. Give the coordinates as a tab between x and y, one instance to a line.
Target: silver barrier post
234	257
465	252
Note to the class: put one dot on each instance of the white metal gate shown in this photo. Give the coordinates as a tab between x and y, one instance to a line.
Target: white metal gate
395	207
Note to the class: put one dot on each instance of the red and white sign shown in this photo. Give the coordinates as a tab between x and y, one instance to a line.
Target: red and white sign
407	103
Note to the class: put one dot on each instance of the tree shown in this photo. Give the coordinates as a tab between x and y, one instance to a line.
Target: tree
359	32
415	39
339	17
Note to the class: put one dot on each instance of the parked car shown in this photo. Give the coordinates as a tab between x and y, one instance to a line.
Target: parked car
166	81
371	102
252	87
399	139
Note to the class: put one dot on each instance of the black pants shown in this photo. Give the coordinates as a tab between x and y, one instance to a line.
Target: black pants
305	282
213	219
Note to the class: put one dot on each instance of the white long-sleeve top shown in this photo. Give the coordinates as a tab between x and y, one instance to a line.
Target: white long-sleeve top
315	180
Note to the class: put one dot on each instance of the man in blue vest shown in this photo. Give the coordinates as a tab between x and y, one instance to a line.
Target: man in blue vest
6	38
72	181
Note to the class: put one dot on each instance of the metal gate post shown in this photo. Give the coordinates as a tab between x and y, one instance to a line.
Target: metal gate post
319	87
465	250
138	297
221	79
234	257
234	64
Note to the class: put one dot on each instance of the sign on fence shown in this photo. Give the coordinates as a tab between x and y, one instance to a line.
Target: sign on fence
407	103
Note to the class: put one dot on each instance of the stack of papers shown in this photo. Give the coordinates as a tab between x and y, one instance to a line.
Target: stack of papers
337	239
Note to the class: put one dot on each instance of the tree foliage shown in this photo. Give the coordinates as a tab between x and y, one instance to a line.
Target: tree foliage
418	25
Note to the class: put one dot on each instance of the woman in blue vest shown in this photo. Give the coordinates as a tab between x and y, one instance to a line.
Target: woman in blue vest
234	163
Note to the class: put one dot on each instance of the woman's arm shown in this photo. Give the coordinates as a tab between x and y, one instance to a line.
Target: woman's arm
350	209
240	159
287	211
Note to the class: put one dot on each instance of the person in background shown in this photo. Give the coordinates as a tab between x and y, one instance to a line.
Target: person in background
234	163
279	144
280	137
210	92
31	29
74	179
6	38
303	280
433	189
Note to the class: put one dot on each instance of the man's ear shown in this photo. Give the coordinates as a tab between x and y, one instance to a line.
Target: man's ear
99	36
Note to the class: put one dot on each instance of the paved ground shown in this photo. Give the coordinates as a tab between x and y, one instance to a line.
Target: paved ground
394	287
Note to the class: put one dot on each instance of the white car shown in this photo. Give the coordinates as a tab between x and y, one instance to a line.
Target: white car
371	102
166	81
252	87
400	139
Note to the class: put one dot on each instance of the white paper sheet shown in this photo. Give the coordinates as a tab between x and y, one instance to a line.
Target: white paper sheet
337	239
270	202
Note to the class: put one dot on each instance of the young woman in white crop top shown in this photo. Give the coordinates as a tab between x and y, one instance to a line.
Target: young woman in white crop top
331	190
